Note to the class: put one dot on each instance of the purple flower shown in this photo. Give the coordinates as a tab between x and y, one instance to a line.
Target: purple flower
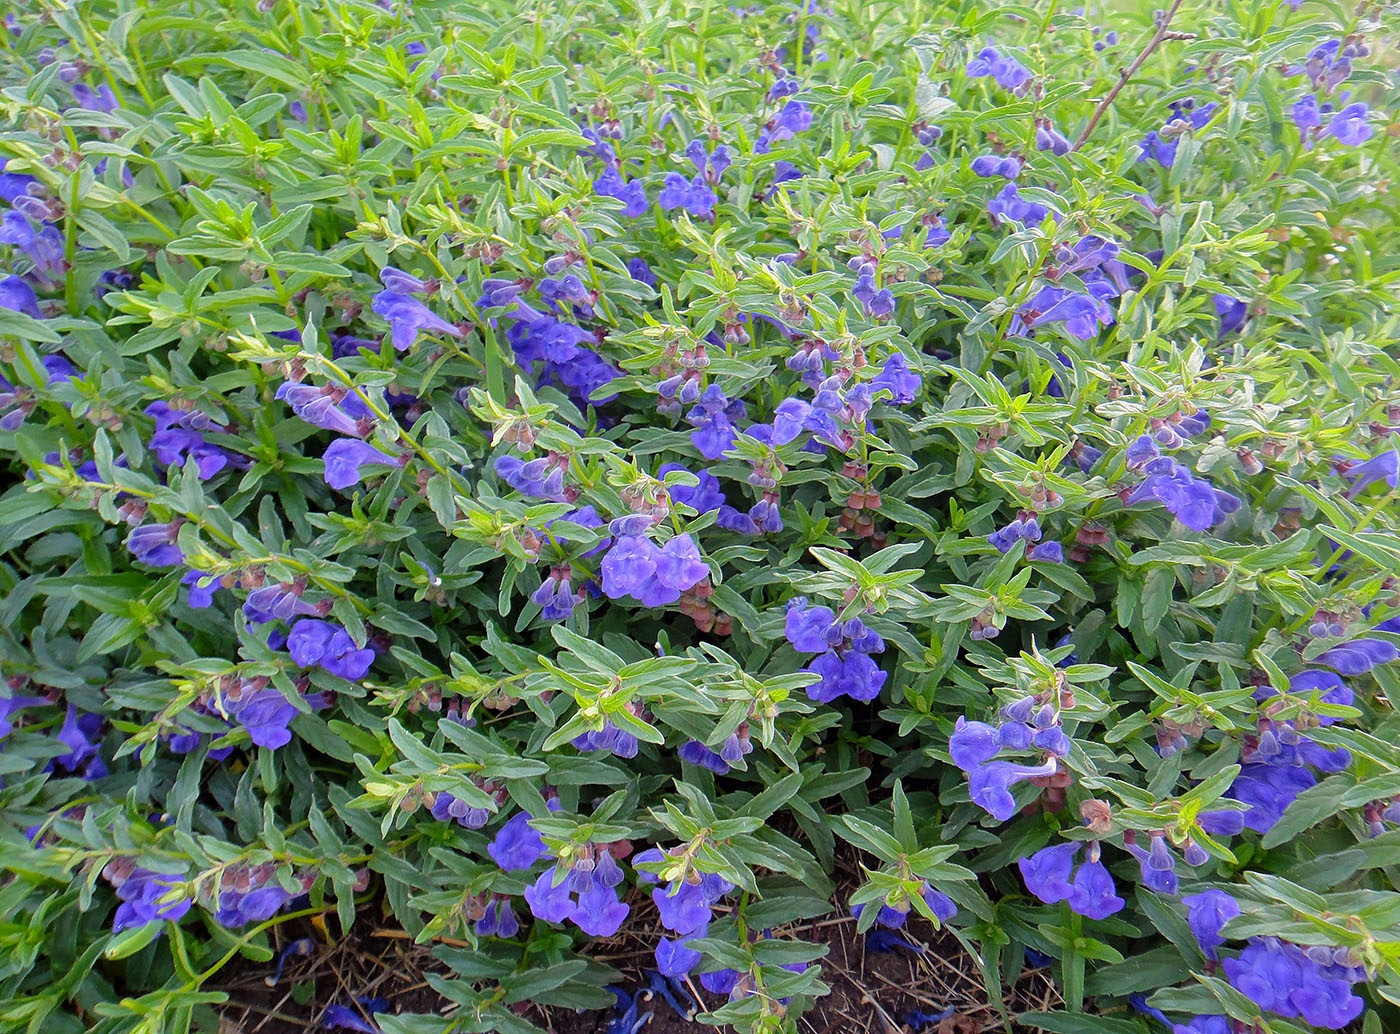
344	457
1268	790
1222	823
1157	866
1050	552
517	845
498	920
555	597
10	705
1047	872
1384	467
892	918
1327	65
675	958
320	407
44	246
1328	685
694	195
538	477
902	383
610	738
1232	312
266	715
80	733
18	296
696	753
324	644
1081	314
703	498
720	982
940	904
806	627
712	418
634	566
855	675
1306	115
348	1018
599	912
1009	206
101	99
628	565
1088	253
989	165
990	784
1349	125
1047	138
630	192
1213	1024
1155	147
172	445
876	302
794	117
685	907
860	637
1008	72
154	544
407	316
1194	501
277	602
1283	978
1003	539
255	906
973	744
1358	656
13	185
679	564
1094	894
1141	451
447	808
1207	913
140	895
399	282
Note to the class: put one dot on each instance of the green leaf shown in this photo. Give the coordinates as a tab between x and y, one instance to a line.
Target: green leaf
870	837
1078	1023
17	324
132	940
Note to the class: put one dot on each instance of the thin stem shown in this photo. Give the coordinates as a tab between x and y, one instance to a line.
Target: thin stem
1143	55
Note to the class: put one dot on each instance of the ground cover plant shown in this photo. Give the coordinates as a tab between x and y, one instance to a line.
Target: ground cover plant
517	471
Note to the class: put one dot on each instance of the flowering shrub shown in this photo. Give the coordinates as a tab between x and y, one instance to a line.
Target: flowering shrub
530	469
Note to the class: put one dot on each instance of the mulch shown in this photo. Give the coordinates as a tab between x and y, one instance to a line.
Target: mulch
871	992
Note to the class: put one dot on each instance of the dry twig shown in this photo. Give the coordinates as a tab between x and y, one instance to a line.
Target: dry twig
1123	77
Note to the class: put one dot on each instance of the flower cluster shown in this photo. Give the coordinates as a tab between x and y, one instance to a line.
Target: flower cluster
654	575
414	434
1292	981
974	747
844	667
582	890
894	910
1187	117
406	315
1193	500
145	897
1327	66
685	898
554	348
1051	876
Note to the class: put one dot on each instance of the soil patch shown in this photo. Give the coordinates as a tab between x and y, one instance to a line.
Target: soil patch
871	991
